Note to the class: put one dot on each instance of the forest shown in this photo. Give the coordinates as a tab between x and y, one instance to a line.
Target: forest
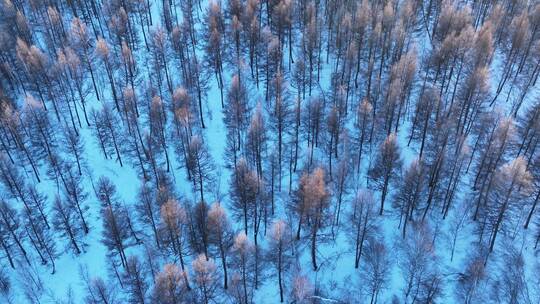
269	151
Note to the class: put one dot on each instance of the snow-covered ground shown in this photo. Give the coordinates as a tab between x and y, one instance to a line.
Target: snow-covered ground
336	275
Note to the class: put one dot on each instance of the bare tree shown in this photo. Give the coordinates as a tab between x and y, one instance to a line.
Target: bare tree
243	279
169	286
376	273
205	277
103	52
200	165
65	223
279	251
220	235
418	264
363	223
174	219
134	278
148	210
302	289
410	193
311	204
243	193
471	283
512	181
510	285
386	167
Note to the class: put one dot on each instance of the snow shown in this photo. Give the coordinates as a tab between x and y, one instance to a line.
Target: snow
336	255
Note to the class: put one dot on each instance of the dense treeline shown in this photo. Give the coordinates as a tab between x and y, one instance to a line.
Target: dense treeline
309	151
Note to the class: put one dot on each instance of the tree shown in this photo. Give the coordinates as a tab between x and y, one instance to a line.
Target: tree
512	181
243	280
102	51
386	167
499	137
256	140
237	111
41	238
220	235
418	264
169	286
375	275
75	146
174	219
81	43
279	254
213	35
116	233
342	182
362	123
199	228
410	193
35	66
148	210
200	165
11	233
243	192
98	291
65	223
302	289
363	223
159	51
157	124
471	283
311	203
5	288
134	278
75	195
109	136
510	285
205	277
280	114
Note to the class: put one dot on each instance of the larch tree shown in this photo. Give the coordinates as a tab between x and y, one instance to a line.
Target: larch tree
200	165
103	52
221	235
512	181
279	252
108	135
172	230
364	224
243	192
135	280
256	140
386	167
376	273
243	278
510	284
410	193
169	286
74	146
418	262
237	110
213	35
205	277
302	289
280	113
362	124
312	197
149	210
199	229
12	234
472	282
116	233
66	224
